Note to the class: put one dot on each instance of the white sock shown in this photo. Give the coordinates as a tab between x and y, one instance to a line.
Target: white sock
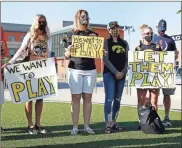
75	128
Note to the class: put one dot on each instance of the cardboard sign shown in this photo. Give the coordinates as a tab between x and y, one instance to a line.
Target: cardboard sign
87	46
151	69
31	80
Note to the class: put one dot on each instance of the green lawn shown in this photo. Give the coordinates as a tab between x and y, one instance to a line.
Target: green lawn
57	119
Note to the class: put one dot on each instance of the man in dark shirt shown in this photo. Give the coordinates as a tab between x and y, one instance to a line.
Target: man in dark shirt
167	44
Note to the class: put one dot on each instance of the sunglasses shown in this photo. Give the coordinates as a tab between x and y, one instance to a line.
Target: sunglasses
41	22
162	31
85	16
148	33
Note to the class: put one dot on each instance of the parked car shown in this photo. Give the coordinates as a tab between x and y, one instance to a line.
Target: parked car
178	76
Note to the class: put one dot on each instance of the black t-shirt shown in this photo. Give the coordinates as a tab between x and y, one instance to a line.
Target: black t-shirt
152	47
81	63
117	54
166	42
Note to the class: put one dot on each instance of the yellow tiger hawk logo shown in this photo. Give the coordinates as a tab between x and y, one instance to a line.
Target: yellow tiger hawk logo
118	49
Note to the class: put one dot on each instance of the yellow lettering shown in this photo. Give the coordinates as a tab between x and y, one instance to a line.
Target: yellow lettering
50	82
155	67
165	67
135	76
134	66
148	56
17	87
156	82
31	94
136	59
145	82
41	88
144	67
165	77
161	55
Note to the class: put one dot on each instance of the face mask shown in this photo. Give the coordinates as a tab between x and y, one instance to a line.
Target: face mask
42	26
148	38
84	20
115	33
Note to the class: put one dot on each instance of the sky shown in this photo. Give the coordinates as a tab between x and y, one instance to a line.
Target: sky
126	13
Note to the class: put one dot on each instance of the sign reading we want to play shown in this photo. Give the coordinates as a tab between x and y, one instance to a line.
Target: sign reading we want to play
87	46
151	69
33	80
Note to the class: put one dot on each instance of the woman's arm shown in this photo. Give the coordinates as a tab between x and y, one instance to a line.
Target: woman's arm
125	69
107	63
22	50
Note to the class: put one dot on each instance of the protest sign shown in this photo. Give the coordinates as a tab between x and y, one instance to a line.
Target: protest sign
177	37
151	69
87	46
32	80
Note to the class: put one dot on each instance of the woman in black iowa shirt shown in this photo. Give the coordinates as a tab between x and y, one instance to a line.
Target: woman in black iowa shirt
115	69
81	75
147	34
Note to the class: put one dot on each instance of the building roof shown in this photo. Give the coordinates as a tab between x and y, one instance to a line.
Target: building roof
11	27
69	23
67	26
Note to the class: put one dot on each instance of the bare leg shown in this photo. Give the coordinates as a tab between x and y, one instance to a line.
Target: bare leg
154	98
141	93
167	105
87	108
75	109
38	111
28	111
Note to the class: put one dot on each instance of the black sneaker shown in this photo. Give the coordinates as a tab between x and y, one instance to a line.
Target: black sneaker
116	127
139	128
108	130
40	130
32	131
167	123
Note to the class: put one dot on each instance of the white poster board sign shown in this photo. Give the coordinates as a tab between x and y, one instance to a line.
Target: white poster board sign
32	80
151	69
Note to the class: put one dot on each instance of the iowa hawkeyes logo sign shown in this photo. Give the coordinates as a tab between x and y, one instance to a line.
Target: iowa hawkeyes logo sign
118	49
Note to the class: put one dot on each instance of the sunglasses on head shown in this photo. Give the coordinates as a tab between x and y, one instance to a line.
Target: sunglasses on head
113	25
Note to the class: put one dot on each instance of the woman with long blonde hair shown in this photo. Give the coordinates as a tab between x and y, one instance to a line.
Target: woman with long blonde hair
34	47
81	75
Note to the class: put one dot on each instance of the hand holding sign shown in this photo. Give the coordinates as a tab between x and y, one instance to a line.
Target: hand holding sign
67	53
5	65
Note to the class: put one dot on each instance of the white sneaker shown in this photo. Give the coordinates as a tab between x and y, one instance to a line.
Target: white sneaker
74	131
89	130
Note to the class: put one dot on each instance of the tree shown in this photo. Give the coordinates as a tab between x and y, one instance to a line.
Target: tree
179	11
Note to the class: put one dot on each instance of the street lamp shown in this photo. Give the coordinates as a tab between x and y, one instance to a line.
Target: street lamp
127	28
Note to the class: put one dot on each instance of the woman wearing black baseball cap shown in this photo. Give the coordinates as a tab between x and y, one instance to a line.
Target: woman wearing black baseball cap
115	69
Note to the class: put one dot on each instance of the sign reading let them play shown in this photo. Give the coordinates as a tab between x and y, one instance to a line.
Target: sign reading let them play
151	69
87	46
31	80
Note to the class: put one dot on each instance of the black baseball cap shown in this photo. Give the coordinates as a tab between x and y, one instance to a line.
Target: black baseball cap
162	25
112	25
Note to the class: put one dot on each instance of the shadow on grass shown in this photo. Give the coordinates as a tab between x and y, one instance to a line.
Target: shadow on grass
64	130
157	142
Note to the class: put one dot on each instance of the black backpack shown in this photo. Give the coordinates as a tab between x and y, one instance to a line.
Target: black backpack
150	121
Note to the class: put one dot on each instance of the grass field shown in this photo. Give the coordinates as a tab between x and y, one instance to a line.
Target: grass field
56	118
